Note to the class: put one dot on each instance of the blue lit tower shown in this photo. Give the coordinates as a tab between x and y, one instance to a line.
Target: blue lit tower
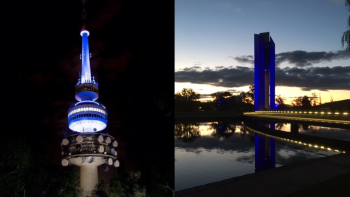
88	146
264	72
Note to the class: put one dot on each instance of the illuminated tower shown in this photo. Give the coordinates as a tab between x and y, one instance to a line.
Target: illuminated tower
88	147
264	72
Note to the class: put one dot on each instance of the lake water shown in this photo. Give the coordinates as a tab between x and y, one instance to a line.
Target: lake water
207	152
320	131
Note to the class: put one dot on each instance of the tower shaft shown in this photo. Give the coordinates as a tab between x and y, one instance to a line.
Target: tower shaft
88	178
85	58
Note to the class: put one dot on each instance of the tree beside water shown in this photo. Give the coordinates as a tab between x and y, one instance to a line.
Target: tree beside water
187	132
222	129
346	35
188	101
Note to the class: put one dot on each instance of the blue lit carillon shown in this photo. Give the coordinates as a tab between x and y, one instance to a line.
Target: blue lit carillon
264	72
88	146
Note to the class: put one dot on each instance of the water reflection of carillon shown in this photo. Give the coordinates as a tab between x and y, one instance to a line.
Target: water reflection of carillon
264	152
187	132
222	129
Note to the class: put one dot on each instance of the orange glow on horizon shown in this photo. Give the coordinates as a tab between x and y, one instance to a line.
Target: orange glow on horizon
289	93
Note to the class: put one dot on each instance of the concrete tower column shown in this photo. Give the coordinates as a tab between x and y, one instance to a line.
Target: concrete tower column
88	179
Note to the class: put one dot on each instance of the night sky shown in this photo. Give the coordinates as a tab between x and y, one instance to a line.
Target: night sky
132	47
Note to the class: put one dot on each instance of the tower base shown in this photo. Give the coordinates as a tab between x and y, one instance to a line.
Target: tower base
88	179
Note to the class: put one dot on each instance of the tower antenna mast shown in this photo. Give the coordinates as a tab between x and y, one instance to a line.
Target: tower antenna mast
84	14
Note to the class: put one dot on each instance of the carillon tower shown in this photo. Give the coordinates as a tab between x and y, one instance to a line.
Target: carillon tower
264	72
88	146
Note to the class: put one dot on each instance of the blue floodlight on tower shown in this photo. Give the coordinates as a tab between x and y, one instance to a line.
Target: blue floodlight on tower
87	148
85	58
86	115
264	72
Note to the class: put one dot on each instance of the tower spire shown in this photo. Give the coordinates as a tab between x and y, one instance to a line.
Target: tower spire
85	58
85	55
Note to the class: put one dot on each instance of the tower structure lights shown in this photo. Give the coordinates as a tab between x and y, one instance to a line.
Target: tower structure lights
88	147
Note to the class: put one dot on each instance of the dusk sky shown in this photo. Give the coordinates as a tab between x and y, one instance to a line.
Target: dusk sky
214	46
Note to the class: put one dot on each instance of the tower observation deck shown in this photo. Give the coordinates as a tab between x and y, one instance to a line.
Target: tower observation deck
88	147
87	115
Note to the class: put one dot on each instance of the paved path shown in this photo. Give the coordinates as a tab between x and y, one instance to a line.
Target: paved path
285	117
297	118
275	182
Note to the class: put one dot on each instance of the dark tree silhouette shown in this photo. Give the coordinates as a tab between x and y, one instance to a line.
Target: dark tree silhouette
219	98
303	102
280	100
346	35
187	94
223	129
124	184
15	161
248	97
186	100
187	132
63	181
22	172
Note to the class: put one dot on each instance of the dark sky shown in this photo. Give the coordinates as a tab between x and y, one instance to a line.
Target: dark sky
132	46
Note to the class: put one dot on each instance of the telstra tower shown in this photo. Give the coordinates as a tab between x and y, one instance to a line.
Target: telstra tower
88	147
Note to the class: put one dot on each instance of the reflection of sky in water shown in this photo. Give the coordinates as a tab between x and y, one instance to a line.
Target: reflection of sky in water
320	131
204	128
328	132
209	159
283	127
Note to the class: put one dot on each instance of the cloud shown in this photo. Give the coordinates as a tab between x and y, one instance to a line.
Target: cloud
244	59
238	10
304	58
221	76
300	58
321	78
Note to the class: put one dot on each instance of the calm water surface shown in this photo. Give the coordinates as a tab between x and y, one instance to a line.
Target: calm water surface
320	131
207	152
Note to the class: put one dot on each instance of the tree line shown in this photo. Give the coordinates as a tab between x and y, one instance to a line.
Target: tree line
188	100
